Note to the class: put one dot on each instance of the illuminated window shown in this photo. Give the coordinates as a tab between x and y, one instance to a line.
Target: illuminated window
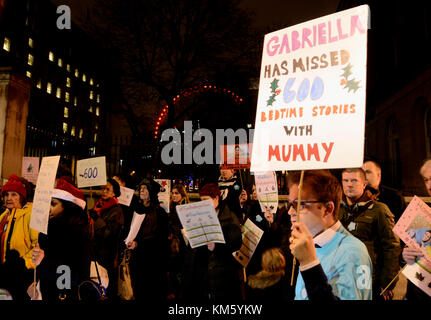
98	98
72	131
68	82
76	73
39	84
75	101
6	44
66	96
30	42
91	82
66	112
96	126
91	109
81	133
97	111
68	67
30	59
60	62
49	88
58	93
91	95
64	127
28	74
51	56
84	77
95	137
97	85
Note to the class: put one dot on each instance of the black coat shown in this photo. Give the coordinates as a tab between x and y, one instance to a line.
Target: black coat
214	275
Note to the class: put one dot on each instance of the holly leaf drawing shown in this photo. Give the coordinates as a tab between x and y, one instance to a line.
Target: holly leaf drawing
352	85
271	100
419	276
274	85
347	71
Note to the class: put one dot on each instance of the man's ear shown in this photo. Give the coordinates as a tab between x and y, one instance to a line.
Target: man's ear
329	208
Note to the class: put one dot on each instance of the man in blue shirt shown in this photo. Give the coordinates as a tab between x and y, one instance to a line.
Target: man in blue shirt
333	264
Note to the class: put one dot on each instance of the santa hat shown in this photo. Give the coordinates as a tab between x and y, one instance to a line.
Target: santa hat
14	184
66	191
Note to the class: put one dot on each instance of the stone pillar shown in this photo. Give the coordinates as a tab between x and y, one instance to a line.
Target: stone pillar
14	98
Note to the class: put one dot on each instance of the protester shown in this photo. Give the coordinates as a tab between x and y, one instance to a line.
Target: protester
211	271
177	243
17	240
230	190
268	285
372	223
151	246
330	258
411	255
65	250
108	223
391	197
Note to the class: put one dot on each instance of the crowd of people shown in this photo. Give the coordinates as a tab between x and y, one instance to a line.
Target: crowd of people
335	242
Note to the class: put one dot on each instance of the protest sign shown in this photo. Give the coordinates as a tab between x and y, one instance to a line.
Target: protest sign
311	102
91	172
126	196
419	273
200	223
267	190
250	239
135	225
30	169
235	156
42	195
414	226
165	193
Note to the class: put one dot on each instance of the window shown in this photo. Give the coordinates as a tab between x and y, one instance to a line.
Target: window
6	44
84	77
72	131
91	82
30	59
51	56
95	137
60	62
28	74
58	93
81	133
64	127
91	95
30	42
66	112
76	73
39	84
49	88
68	82
67	96
68	67
98	98
90	109
97	111
75	101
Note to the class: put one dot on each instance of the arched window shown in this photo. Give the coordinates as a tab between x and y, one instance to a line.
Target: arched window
394	154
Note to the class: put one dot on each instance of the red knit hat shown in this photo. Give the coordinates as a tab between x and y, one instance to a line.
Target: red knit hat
66	191
14	184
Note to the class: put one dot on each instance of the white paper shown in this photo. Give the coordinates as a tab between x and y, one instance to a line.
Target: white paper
420	274
165	193
134	227
250	240
126	196
30	169
91	172
267	191
42	194
200	223
311	101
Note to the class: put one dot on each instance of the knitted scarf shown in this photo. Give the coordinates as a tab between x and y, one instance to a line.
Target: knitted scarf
103	205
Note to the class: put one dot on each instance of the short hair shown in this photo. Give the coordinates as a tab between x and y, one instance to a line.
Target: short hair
211	189
379	168
273	261
426	165
322	184
352	170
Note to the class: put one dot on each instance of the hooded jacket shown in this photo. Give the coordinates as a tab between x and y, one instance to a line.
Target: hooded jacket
372	222
23	238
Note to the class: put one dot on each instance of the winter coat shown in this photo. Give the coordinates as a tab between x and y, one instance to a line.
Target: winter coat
392	198
266	287
107	230
214	275
67	244
23	238
372	222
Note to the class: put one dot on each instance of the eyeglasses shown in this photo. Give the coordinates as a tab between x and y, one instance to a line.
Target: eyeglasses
294	204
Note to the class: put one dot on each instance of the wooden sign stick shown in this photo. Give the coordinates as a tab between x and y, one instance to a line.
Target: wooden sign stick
383	291
297	219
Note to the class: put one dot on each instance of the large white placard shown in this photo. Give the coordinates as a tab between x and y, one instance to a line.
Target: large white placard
42	194
250	239
311	103
267	191
165	193
30	169
91	172
200	223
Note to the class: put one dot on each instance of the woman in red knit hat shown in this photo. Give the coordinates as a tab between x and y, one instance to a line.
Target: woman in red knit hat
17	240
65	250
